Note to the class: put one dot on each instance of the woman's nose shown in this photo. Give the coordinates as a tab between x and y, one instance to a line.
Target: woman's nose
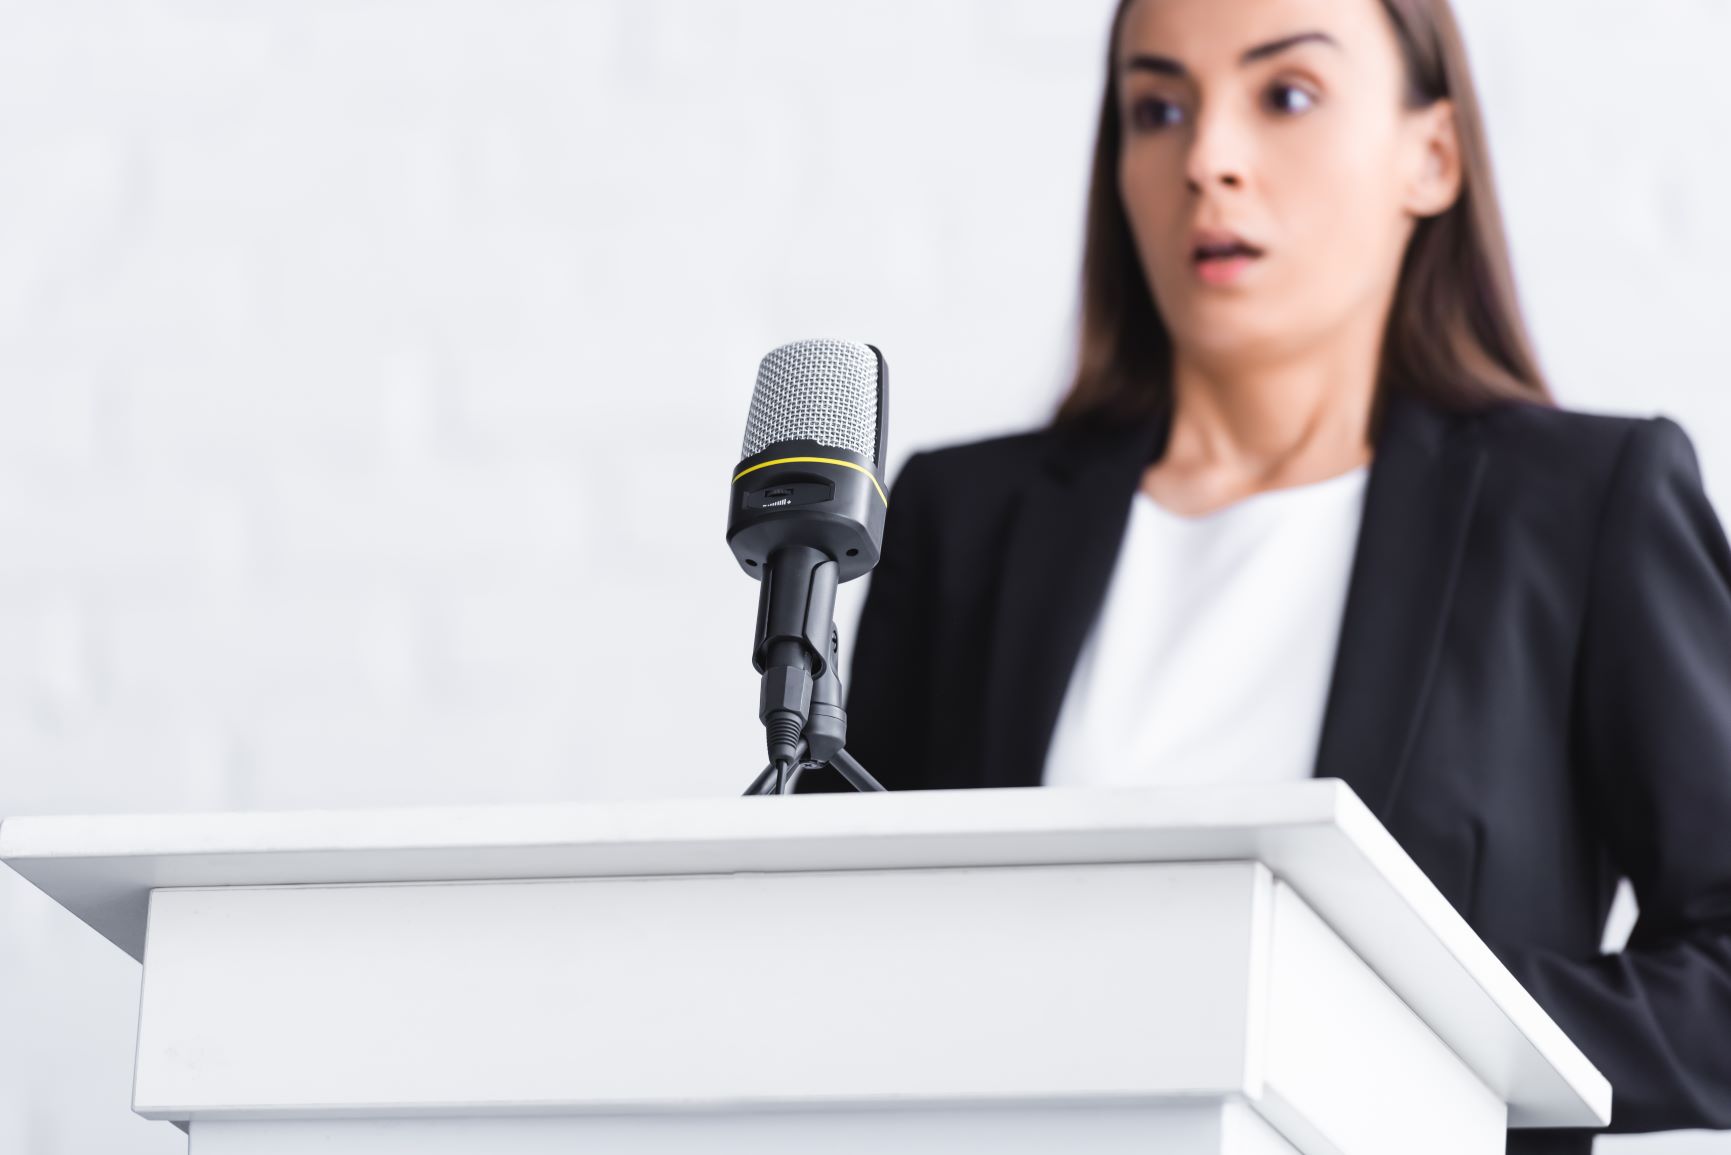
1216	156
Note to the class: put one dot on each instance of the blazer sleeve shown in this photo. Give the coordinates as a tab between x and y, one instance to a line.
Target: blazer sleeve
1652	730
887	693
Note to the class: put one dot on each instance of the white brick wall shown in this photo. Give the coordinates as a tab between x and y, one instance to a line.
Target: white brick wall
370	373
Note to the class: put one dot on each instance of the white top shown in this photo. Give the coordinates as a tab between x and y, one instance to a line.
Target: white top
1211	656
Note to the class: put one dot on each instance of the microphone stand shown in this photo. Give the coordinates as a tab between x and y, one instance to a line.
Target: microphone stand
841	762
823	738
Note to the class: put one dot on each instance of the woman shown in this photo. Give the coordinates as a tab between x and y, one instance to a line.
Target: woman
1308	509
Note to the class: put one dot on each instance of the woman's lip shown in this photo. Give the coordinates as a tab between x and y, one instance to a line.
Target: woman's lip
1219	239
1224	270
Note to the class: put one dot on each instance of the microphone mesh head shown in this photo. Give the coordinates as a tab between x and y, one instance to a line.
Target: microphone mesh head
823	390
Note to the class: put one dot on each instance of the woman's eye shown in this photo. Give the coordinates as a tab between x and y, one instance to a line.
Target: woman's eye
1290	98
1151	113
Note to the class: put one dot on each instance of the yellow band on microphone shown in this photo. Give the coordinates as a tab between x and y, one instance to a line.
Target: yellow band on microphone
821	461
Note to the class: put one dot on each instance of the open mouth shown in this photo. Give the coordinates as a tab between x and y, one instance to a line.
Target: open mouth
1222	258
1231	250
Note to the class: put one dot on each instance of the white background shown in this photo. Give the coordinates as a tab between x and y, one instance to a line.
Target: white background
370	374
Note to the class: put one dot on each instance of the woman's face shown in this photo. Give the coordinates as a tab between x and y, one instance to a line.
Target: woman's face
1270	169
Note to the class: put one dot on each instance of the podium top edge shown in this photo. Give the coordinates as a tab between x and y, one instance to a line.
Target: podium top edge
27	838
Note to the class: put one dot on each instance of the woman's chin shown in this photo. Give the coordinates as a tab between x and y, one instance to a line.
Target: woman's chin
1233	335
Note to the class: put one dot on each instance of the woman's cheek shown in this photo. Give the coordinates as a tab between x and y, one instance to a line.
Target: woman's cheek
1341	232
1151	226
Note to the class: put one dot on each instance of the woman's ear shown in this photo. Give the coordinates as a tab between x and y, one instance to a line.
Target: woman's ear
1435	184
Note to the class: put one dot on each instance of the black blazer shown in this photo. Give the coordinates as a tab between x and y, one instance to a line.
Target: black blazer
1532	691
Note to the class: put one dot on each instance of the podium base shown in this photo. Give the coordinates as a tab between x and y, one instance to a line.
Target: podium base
1220	1127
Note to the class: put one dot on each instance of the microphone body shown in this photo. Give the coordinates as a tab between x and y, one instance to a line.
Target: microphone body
806	513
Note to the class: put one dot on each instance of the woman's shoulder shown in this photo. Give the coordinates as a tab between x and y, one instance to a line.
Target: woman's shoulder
1581	446
1562	429
1020	447
1003	461
959	494
975	471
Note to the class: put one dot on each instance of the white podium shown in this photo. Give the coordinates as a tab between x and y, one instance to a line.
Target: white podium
1252	970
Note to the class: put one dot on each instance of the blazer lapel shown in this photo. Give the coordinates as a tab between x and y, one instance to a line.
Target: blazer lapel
1418	505
1062	547
1419	500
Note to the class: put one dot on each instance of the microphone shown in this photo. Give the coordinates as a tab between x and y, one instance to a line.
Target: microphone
806	513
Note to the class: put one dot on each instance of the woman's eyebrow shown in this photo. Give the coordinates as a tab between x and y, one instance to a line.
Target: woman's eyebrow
1166	66
1274	47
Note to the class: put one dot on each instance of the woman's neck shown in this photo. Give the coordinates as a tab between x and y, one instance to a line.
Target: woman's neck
1240	429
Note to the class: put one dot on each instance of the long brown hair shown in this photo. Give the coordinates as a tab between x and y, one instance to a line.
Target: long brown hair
1455	334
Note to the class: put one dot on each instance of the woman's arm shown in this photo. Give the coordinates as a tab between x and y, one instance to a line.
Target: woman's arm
1653	740
887	691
